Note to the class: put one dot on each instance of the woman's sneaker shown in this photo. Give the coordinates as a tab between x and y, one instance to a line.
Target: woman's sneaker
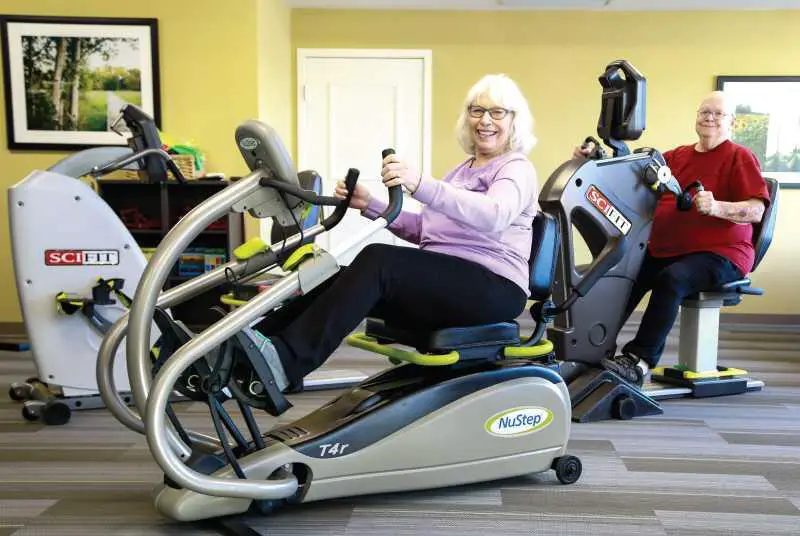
257	375
625	366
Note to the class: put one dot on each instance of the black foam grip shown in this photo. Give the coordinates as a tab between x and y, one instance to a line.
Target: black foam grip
341	208
350	181
395	196
598	153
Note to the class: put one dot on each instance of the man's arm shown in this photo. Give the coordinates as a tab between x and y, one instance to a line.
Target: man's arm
748	211
744	212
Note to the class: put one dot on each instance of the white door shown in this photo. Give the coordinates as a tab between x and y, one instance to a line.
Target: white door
352	104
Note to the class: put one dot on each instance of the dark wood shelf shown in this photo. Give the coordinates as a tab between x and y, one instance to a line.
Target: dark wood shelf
165	202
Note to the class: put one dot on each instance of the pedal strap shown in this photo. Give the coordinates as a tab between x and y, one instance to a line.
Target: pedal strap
173	336
69	304
101	292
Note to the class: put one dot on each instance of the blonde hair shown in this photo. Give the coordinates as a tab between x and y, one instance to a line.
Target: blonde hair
504	92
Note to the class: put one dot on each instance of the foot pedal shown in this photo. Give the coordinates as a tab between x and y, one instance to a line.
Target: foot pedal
721	382
251	378
600	395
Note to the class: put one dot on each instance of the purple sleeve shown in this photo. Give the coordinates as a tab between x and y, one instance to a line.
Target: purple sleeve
511	191
407	225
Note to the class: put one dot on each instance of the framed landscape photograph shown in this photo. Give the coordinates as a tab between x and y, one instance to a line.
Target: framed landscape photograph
768	122
66	78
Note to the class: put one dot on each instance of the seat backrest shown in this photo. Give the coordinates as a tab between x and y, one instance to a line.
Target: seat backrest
763	230
544	252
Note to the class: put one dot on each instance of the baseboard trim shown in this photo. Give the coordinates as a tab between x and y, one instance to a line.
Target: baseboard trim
743	319
12	329
759	319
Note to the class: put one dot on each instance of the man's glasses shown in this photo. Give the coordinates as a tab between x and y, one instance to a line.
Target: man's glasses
711	113
495	113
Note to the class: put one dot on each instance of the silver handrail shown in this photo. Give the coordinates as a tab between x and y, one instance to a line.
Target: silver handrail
158	269
111	342
155	418
107	354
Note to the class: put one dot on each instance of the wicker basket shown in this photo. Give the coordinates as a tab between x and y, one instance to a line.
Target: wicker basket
185	163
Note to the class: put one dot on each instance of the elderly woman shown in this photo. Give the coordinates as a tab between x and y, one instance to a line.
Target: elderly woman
474	236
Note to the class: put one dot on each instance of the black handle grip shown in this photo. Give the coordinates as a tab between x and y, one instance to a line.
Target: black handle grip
598	153
341	209
144	135
350	181
147	155
685	199
395	196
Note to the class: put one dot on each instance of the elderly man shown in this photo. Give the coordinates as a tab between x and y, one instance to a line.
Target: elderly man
699	249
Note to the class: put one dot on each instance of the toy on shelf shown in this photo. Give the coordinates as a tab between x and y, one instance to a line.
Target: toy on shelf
133	218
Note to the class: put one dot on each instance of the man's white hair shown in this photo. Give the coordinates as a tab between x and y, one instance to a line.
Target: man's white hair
727	101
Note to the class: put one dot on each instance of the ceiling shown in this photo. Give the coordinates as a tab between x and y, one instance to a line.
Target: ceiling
551	5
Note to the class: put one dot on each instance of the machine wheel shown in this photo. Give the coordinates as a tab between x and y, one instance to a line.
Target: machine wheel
624	408
20	391
56	413
568	469
267	507
32	412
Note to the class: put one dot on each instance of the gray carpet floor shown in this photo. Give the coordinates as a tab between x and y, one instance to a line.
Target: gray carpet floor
723	466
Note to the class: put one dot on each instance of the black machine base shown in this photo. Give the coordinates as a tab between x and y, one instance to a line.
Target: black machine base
599	395
232	527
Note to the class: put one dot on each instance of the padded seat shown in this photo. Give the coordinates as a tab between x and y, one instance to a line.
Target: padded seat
446	339
487	340
728	294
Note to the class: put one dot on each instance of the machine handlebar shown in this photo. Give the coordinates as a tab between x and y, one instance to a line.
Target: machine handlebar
350	181
146	154
598	153
395	196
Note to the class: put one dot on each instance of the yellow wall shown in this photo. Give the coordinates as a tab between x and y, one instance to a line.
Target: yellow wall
557	56
275	81
209	84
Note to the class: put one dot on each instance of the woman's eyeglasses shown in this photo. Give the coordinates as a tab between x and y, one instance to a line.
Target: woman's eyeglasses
495	113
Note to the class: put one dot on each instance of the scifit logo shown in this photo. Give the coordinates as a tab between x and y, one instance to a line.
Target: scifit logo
81	257
516	422
602	203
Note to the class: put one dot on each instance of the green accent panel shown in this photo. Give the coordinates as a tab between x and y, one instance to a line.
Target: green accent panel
228	299
361	340
543	347
250	249
294	260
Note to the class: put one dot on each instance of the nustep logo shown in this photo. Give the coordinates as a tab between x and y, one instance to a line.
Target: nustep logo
602	203
248	144
81	257
517	422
